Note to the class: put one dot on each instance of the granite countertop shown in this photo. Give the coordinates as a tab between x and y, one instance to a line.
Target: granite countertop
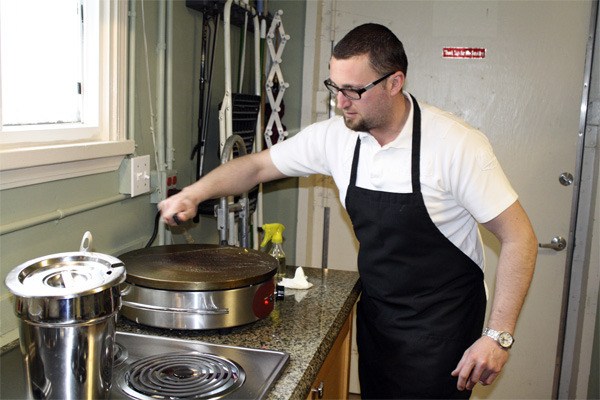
304	325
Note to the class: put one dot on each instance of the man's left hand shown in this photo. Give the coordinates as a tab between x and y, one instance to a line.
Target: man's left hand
480	363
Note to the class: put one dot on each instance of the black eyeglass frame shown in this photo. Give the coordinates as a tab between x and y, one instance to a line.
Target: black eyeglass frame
334	89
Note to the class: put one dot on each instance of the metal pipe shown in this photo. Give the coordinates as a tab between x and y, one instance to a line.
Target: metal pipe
258	213
226	106
169	87
223	210
160	109
170	151
325	253
131	83
331	108
59	214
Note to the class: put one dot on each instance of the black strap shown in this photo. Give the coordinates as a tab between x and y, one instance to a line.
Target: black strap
416	148
355	162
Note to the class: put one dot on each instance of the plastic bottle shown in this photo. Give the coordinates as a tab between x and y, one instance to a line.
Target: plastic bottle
274	234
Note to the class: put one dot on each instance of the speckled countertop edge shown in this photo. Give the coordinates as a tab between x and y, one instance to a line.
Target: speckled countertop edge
304	325
305	383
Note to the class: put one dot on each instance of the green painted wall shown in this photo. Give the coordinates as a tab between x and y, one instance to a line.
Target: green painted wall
127	225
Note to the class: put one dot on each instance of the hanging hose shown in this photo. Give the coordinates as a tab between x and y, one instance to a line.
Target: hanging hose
204	106
207	105
155	231
188	237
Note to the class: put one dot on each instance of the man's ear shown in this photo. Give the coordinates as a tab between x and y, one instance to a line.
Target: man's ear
397	81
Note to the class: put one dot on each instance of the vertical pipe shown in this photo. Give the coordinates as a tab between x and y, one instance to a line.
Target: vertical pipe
226	107
131	82
169	103
169	86
326	209
331	105
257	218
160	109
228	114
325	253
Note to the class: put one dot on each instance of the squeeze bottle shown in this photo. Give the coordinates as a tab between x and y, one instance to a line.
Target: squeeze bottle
274	234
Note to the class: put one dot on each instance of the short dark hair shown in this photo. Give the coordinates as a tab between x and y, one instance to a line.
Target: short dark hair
385	50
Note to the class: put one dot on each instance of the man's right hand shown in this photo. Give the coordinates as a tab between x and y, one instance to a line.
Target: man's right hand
181	206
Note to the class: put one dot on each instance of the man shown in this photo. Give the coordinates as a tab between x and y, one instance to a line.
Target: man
415	182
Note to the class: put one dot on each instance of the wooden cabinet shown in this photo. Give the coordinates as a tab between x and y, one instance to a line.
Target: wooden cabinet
333	379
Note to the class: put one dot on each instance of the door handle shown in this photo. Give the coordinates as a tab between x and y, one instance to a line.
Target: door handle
319	391
558	243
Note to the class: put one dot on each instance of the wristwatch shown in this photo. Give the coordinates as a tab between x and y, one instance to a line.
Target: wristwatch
504	339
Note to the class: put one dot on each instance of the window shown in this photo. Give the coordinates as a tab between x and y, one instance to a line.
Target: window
63	69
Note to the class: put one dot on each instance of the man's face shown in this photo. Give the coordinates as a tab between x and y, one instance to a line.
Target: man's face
373	110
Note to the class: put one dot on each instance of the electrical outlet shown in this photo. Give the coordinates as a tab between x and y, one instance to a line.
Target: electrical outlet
134	176
170	179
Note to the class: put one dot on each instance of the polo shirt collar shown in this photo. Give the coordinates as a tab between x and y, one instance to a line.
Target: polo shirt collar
404	139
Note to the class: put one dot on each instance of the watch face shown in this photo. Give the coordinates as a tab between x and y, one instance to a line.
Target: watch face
505	339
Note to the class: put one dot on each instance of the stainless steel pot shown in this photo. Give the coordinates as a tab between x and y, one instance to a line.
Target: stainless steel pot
198	286
67	305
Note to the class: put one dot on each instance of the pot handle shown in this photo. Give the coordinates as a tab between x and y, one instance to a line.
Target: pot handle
125	289
86	242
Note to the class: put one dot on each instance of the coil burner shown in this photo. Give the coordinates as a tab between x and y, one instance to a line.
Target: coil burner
183	376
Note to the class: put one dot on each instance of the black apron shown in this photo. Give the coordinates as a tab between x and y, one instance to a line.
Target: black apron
423	300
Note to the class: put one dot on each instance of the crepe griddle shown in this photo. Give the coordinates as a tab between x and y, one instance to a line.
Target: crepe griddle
197	267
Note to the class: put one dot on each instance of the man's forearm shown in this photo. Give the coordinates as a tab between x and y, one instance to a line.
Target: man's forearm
234	177
516	265
513	278
483	361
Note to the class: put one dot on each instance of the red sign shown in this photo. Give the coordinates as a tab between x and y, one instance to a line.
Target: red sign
463	52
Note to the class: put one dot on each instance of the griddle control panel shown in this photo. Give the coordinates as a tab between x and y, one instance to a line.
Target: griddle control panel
264	300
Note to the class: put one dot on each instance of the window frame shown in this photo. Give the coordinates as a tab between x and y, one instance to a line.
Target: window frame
29	162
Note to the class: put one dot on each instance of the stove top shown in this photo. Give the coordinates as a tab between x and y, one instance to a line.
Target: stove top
152	367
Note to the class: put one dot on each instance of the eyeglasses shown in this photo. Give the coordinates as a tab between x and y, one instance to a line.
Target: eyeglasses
351	93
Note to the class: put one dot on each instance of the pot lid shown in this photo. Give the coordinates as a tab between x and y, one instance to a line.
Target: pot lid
197	267
65	275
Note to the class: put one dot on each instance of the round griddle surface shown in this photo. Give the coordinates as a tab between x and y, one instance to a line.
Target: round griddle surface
197	267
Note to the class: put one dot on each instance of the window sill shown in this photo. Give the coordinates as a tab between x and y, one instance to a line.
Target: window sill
28	166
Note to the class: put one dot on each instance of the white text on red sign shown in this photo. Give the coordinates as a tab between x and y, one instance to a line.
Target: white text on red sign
463	52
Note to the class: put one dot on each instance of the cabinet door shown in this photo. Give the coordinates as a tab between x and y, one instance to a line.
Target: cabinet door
333	378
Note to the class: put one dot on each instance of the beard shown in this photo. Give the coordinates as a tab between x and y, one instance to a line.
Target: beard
371	118
359	123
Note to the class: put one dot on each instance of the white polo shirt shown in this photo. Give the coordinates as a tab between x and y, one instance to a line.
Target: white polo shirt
461	180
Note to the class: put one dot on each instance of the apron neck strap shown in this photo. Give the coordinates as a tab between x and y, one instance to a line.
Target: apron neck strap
416	147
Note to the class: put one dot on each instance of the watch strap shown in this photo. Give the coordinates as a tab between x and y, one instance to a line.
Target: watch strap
504	339
491	333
